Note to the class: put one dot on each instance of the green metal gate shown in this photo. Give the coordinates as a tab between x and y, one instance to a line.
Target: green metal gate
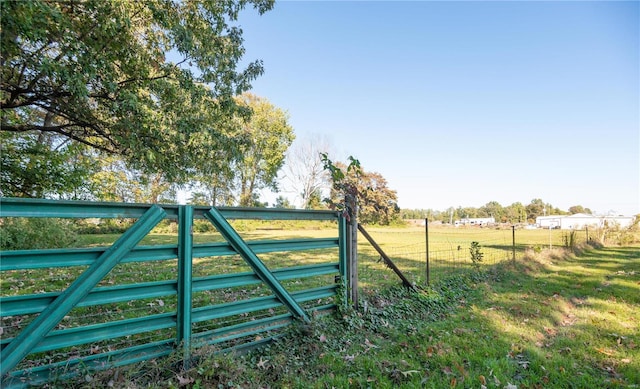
114	305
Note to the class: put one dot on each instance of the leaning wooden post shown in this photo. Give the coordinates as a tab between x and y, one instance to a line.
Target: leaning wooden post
352	210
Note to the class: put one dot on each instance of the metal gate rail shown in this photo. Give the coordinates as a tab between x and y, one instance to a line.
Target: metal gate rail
177	329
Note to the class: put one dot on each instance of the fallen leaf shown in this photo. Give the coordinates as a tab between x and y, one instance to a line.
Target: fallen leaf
460	368
182	381
262	364
368	345
453	382
323	338
605	352
483	380
429	351
510	386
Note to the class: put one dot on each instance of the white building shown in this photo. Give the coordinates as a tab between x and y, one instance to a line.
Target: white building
580	221
475	221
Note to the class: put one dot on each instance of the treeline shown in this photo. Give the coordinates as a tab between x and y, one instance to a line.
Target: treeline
514	213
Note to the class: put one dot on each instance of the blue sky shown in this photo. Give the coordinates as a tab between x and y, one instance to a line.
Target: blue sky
462	103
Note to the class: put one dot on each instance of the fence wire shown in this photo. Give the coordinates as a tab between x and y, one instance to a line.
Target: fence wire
450	251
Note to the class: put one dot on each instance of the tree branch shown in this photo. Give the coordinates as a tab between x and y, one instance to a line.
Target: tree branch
61	129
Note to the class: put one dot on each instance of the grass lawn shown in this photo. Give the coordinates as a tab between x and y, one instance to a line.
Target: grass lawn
549	320
552	320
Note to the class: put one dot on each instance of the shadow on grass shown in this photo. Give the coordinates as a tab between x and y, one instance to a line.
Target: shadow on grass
558	321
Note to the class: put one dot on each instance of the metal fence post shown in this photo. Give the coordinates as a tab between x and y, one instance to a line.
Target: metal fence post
586	229
513	242
426	235
352	209
343	254
185	257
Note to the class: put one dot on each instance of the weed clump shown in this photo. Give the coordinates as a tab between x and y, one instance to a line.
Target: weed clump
36	233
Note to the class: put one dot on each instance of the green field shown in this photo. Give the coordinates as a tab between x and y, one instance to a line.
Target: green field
448	247
549	319
448	254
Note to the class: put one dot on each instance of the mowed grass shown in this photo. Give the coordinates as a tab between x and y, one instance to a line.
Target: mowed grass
448	247
549	320
448	250
553	320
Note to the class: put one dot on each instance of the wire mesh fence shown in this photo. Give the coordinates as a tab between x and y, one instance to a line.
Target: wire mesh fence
450	250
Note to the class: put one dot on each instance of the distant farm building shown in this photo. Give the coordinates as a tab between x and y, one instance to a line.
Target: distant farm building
581	220
475	221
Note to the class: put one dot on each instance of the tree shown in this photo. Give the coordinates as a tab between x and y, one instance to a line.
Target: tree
43	165
430	214
213	189
316	201
579	209
114	181
466	212
516	213
304	172
282	202
493	209
94	73
377	204
266	137
536	208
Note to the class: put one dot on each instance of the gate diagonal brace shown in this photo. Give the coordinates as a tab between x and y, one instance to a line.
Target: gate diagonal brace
38	329
261	270
386	259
